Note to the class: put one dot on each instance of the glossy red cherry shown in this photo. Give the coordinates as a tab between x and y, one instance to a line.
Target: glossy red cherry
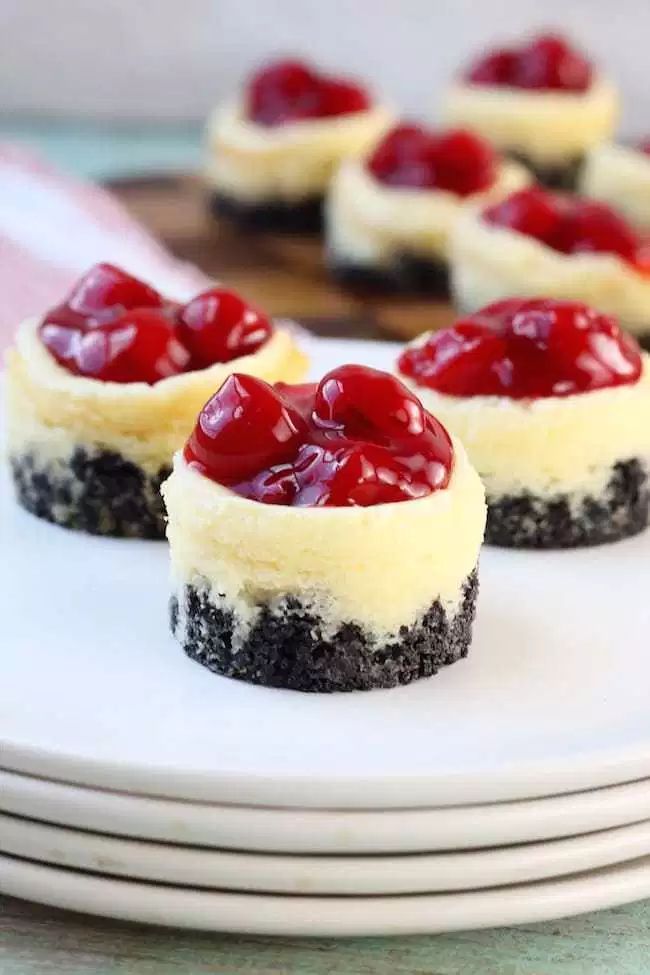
218	326
107	289
456	160
545	63
526	348
530	211
358	438
139	346
245	428
644	146
288	91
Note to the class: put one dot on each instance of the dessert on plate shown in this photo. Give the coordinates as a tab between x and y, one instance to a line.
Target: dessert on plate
105	387
272	150
552	402
389	213
323	537
542	101
554	245
619	174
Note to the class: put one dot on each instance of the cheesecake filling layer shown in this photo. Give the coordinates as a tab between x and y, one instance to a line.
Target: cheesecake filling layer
549	127
490	262
620	175
380	567
371	223
50	412
556	445
288	162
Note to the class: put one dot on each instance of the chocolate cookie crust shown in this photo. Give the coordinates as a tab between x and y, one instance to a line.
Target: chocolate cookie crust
406	274
277	216
288	645
564	176
95	491
528	521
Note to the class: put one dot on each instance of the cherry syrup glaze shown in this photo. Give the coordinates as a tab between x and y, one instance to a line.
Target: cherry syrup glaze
545	63
288	91
455	160
356	439
571	225
115	328
526	348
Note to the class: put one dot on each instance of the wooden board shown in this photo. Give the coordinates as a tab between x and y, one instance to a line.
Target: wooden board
284	275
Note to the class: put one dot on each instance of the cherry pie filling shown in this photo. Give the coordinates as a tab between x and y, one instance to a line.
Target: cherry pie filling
545	63
357	438
526	348
571	225
115	328
413	157
291	91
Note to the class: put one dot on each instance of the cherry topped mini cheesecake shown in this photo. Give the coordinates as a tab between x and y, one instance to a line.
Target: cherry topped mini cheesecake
390	213
543	102
272	150
552	402
562	246
105	387
323	537
620	175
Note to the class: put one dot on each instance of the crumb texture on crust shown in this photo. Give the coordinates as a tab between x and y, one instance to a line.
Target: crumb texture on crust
94	491
50	411
548	126
276	216
406	274
289	646
565	521
489	263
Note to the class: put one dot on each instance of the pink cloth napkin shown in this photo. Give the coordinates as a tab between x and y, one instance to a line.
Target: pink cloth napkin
54	227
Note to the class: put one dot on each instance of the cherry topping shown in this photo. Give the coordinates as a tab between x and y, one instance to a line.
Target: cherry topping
569	224
218	326
116	328
526	348
456	160
545	63
644	146
358	438
287	91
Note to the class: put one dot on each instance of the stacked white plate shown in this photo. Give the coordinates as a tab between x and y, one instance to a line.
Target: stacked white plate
509	788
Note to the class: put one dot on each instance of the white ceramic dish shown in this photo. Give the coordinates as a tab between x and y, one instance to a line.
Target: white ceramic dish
266	914
320	875
551	699
305	831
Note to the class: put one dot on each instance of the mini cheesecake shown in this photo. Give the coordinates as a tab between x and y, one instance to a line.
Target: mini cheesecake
552	402
542	102
105	388
323	537
390	214
272	150
554	245
620	175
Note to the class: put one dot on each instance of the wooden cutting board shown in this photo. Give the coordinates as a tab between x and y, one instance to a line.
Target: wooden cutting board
284	275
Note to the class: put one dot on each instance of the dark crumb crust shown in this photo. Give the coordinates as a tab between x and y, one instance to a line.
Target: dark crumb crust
277	216
406	274
527	521
559	177
95	491
287	646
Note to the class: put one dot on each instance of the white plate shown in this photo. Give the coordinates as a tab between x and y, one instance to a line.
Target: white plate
325	875
553	696
267	914
319	831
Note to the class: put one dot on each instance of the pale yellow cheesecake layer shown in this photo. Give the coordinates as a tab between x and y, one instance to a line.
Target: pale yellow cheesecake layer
50	411
369	223
289	162
620	175
550	446
381	566
550	127
489	263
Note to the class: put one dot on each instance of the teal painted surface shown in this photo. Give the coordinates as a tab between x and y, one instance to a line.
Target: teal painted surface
39	941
